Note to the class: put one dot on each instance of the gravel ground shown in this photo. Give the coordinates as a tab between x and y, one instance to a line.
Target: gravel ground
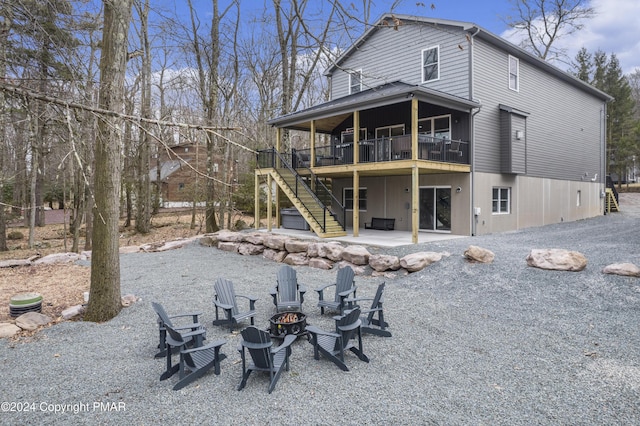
472	344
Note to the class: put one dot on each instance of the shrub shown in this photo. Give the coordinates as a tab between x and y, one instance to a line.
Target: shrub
15	235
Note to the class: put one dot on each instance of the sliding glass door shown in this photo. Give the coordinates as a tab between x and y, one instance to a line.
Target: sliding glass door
435	208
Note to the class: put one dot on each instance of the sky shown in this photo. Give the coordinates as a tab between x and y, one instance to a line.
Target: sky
614	29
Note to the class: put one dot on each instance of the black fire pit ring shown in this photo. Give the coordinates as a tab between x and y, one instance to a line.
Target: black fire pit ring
284	323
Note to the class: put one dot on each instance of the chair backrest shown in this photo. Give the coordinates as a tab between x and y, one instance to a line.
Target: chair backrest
162	314
344	281
377	300
287	283
259	343
174	338
455	146
347	326
225	293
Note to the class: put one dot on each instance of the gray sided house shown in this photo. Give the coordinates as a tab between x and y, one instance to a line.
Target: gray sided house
442	126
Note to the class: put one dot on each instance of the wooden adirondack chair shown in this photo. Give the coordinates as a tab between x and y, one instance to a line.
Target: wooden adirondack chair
196	360
225	299
373	318
193	332
264	356
344	286
332	345
287	295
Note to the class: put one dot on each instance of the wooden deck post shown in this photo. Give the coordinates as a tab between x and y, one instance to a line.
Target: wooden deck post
356	203
256	201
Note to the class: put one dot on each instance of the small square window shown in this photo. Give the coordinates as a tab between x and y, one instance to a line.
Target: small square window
347	199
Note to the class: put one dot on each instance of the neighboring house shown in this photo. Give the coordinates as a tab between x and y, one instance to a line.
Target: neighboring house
459	131
178	165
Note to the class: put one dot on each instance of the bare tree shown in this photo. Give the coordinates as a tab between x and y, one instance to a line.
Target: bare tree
5	22
143	193
105	302
544	22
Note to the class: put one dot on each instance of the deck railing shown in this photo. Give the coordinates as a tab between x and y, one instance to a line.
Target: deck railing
389	149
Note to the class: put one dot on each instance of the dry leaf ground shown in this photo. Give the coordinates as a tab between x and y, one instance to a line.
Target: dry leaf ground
63	285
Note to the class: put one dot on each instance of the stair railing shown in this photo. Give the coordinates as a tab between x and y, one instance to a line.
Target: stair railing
272	158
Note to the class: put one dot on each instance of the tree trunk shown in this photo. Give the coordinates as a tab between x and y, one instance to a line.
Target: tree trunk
143	199
105	303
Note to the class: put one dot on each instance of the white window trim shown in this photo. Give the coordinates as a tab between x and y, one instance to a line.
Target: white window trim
344	197
517	73
437	47
499	188
351	75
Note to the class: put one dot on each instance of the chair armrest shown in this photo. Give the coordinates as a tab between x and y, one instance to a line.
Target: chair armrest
348	292
194	326
273	291
302	289
288	340
252	298
201	331
215	344
315	330
357	299
195	315
320	289
222	305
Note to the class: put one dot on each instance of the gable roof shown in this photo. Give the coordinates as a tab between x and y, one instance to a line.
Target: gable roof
474	31
167	168
330	114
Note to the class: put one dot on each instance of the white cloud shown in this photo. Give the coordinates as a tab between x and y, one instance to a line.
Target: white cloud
614	29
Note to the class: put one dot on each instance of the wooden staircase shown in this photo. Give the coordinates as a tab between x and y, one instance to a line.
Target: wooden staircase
312	209
611	204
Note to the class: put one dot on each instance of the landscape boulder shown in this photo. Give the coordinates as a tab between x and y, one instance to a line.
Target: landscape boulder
8	330
384	262
296	246
275	255
417	261
57	258
229	236
72	311
298	259
557	259
228	246
479	254
32	320
624	269
249	249
321	263
358	255
256	238
276	242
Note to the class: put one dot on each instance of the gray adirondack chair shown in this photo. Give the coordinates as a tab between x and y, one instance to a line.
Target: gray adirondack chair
332	345
287	295
373	318
344	286
195	362
192	332
264	356
225	299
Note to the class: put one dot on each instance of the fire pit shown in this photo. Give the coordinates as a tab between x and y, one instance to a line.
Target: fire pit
285	323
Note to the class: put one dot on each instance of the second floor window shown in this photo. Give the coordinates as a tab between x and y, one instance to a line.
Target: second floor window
514	74
430	64
355	81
